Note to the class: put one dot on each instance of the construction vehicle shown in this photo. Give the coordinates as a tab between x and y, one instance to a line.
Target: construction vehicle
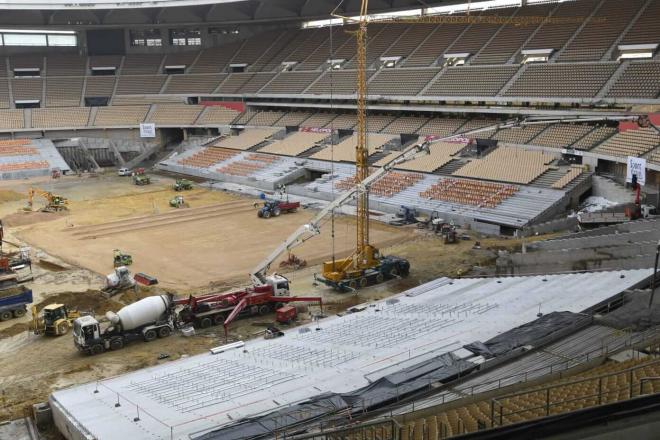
140	178
178	202
147	319
183	185
448	232
273	208
54	203
273	332
206	310
14	301
118	281
121	259
55	320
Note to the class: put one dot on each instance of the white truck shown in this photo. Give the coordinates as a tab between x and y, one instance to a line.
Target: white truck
147	319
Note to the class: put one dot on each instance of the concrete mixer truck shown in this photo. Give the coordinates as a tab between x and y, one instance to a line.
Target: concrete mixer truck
147	319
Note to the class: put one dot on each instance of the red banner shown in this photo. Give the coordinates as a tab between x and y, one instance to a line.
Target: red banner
237	106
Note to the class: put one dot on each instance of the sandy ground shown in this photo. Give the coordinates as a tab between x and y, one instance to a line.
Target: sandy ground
183	248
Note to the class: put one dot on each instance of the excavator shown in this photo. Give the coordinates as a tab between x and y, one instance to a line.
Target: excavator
54	203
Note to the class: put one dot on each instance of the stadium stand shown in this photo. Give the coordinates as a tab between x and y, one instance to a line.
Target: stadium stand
376	123
440	153
217	114
244	82
345	122
561	135
495	166
640	79
595	137
293	119
276	54
99	86
387	186
253	48
630	143
139	85
413	37
52	118
478	34
246	139
405	124
601	31
344	151
290	82
555	34
105	61
441	126
318	120
27	62
380	37
522	135
471	81
343	83
573	173
66	65
215	59
249	165
63	91
469	192
121	115
12	119
265	118
193	84
405	82
180	59
4	93
142	64
319	56
562	80
27	88
295	144
175	114
207	157
647	28
436	43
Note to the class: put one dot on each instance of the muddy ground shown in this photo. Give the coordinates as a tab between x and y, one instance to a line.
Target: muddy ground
33	366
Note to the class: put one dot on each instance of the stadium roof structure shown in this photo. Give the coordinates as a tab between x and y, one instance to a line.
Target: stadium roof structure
146	12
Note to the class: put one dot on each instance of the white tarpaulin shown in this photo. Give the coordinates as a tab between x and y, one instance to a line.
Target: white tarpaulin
636	166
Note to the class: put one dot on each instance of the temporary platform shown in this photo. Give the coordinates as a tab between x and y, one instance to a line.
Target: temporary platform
191	397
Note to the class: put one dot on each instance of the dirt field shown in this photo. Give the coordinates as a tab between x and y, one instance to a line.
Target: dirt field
183	248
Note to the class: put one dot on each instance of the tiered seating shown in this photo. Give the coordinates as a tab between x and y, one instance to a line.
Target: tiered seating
253	48
654	156
246	140
290	82
98	86
295	144
12	119
17	147
250	165
441	127
175	114
4	93
140	85
569	80
343	83
66	65
245	82
217	114
469	192
277	52
640	80
27	88
471	81
376	123
647	28
555	34
20	166
562	135
522	135
601	31
404	82
318	120
207	157
298	49
509	39
405	124
105	61
573	173
265	118
345	150
180	59
63	92
479	33
630	143
415	36
193	84
53	118
215	59
121	115
142	64
594	138
438	40
343	122
293	119
319	57
508	164
387	186
440	154
27	62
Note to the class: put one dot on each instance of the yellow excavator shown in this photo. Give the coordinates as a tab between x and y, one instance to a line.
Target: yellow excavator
54	203
55	320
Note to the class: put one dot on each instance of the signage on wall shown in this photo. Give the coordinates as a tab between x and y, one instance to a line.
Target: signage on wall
148	130
636	166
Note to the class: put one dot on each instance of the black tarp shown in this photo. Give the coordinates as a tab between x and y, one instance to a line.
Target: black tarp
526	334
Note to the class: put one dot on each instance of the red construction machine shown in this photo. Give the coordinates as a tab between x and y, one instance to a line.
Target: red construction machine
222	308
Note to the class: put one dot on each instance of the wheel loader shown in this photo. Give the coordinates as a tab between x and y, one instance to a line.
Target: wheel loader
54	320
